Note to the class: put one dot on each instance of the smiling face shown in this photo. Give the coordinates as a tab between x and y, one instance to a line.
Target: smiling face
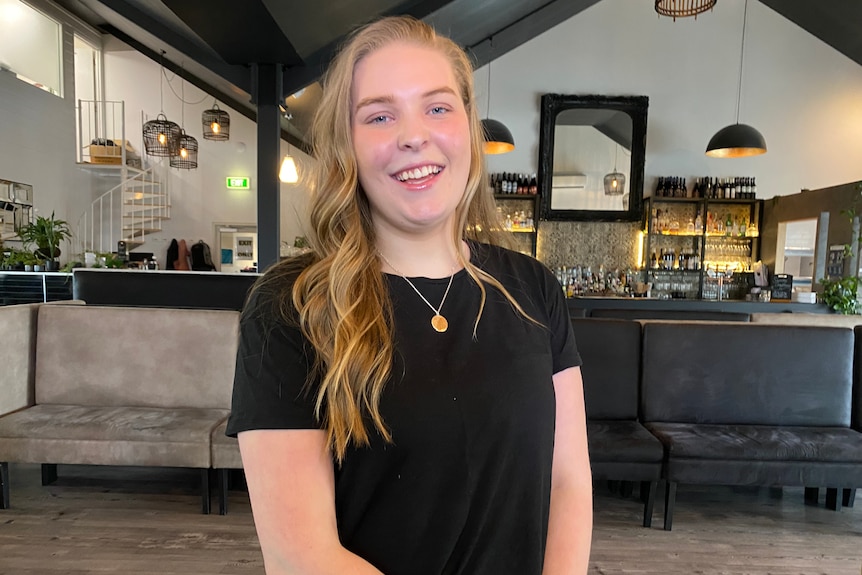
411	138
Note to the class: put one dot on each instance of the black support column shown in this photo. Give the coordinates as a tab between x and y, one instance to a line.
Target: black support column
268	78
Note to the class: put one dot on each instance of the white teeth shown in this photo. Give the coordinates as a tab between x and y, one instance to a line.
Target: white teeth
417	173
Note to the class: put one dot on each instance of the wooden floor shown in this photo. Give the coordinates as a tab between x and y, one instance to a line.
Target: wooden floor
131	520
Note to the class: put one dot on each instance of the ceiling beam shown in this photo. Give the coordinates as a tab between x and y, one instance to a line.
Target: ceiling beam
237	75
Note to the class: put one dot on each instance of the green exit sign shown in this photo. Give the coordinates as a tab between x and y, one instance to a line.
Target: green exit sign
237	183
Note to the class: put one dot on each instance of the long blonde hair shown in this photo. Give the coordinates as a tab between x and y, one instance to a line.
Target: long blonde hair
343	305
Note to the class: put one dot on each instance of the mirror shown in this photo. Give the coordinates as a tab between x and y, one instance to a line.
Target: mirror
591	157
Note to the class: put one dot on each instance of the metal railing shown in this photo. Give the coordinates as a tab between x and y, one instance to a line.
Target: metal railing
129	211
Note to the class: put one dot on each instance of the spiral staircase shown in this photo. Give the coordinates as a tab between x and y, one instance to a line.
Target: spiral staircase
134	208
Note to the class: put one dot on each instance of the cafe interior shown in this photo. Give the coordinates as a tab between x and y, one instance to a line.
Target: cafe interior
683	160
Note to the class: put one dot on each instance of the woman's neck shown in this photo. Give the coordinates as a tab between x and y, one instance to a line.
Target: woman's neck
414	257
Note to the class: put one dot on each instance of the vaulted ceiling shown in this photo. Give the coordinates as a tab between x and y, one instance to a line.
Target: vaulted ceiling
215	44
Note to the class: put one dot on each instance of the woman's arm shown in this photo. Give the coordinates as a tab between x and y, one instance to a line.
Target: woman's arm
292	490
570	526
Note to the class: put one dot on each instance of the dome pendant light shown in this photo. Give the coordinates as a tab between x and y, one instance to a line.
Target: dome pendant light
737	140
498	138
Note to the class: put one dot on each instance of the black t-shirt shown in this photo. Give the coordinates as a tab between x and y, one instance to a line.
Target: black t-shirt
464	489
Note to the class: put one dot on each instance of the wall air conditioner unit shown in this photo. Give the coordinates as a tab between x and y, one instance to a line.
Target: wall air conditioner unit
568	191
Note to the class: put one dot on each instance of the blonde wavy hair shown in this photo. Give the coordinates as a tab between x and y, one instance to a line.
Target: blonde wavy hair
340	296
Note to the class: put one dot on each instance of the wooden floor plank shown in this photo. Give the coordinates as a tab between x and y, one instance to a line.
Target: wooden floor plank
97	520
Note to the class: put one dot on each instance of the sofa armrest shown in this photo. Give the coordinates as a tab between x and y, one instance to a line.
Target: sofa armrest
17	356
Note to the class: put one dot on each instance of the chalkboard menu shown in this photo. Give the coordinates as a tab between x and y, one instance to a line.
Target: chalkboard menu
782	287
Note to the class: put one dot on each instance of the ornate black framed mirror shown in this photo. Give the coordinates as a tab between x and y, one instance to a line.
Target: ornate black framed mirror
591	157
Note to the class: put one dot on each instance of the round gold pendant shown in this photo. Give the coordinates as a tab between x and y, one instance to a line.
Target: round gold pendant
439	323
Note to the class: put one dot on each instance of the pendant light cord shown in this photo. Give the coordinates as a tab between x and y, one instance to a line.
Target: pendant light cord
488	107
161	88
741	60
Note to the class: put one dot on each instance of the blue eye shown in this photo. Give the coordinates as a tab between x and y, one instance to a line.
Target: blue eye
377	119
439	110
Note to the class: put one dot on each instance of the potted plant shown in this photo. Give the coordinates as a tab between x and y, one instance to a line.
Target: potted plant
46	234
841	294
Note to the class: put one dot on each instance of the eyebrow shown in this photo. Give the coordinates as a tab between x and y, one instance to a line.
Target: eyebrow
389	99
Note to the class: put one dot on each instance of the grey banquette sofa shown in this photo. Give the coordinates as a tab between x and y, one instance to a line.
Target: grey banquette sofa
114	386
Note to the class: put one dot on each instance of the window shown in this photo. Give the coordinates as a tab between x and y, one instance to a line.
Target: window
31	46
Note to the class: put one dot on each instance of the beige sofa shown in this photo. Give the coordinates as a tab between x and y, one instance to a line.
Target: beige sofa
114	386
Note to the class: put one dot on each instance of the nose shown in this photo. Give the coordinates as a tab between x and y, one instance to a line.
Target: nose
413	133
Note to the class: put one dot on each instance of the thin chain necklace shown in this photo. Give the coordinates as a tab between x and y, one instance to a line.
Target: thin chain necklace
438	322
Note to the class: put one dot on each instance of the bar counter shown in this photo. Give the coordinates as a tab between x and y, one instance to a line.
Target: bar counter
588	303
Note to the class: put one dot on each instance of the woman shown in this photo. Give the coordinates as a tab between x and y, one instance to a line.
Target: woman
408	401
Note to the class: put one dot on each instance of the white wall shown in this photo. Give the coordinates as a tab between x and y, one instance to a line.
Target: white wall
803	96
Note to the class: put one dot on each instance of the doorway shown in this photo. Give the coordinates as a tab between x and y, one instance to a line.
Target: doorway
236	247
795	252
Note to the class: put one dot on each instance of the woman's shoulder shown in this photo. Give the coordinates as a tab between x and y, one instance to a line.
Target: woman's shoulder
497	259
272	292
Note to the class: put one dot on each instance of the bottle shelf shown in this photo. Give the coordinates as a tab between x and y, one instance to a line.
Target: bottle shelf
669	240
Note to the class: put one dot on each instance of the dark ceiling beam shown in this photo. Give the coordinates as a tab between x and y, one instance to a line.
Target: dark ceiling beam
835	22
240	32
298	77
237	75
525	29
242	108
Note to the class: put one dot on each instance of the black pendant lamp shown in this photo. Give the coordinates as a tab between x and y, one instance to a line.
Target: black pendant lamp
615	182
683	8
161	136
186	156
737	140
216	124
498	138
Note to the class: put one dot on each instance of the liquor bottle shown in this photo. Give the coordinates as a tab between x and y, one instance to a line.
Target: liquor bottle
698	224
534	185
728	225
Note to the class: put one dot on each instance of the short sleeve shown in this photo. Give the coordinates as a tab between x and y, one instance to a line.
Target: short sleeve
563	346
272	367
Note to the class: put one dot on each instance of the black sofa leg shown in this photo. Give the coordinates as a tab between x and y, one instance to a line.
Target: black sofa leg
49	473
669	500
833	501
812	494
849	496
223	480
648	489
4	485
205	491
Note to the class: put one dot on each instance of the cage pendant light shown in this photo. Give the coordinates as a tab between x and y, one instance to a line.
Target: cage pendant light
615	182
498	138
186	157
216	124
737	140
683	8
161	136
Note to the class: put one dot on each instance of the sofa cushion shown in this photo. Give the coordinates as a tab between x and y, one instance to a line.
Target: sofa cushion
759	442
158	437
622	441
225	450
135	357
611	353
739	373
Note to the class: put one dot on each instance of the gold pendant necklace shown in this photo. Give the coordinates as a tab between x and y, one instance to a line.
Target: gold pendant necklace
438	322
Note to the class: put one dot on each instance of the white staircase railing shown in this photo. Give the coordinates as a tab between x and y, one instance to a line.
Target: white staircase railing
129	211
